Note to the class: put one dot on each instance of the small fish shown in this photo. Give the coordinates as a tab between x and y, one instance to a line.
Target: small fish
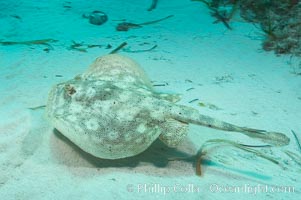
16	16
94	45
188	81
194	100
157	85
190	89
37	107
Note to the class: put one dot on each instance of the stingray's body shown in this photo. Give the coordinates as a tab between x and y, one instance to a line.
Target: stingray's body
111	111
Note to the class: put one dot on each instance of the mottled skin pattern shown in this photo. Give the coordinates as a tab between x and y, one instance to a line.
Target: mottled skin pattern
111	111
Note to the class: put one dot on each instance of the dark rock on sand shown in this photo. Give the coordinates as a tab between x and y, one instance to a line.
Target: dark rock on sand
96	17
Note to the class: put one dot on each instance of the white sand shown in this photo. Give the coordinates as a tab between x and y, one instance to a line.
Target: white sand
226	68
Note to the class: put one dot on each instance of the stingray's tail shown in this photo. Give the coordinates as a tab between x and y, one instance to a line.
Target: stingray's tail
189	115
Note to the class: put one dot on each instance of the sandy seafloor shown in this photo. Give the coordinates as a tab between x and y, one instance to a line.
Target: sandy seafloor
236	80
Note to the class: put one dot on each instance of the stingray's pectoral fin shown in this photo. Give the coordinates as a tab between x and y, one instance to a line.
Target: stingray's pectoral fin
273	138
173	132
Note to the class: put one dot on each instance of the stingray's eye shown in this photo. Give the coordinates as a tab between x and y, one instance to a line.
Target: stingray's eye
69	89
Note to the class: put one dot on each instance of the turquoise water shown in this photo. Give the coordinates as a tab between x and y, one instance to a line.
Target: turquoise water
210	59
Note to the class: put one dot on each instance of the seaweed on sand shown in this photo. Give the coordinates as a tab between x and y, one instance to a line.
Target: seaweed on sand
125	26
153	5
122	45
297	140
30	42
82	47
221	15
244	147
141	50
280	20
296	158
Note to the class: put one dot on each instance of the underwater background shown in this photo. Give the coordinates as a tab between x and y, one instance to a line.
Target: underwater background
235	60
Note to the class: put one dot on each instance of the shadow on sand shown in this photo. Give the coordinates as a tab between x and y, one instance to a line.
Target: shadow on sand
157	159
